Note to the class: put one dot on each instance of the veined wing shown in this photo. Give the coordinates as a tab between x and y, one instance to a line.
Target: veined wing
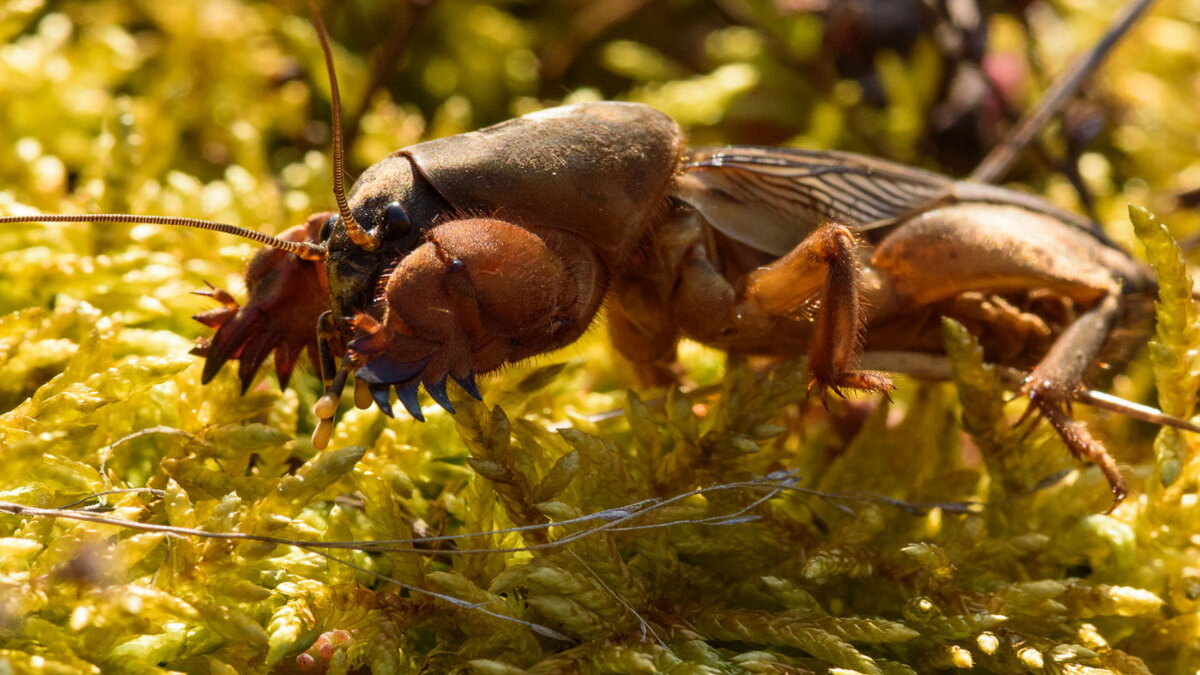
772	198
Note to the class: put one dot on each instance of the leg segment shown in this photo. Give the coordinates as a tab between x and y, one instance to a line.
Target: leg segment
747	315
783	287
1056	380
993	249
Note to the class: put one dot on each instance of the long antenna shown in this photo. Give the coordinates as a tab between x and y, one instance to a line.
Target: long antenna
303	249
355	231
1001	158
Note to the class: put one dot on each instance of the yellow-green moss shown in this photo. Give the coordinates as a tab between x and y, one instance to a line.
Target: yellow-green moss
941	550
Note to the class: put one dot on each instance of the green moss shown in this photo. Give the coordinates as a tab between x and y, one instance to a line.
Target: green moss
525	534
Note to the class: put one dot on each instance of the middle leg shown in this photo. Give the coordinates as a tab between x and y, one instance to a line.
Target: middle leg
829	254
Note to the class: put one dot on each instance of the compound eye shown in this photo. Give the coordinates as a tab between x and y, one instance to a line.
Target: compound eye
328	226
396	224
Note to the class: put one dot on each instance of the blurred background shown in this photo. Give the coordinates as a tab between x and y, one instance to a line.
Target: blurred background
146	87
220	109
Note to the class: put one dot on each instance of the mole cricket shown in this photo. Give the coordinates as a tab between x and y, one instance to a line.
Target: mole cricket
453	257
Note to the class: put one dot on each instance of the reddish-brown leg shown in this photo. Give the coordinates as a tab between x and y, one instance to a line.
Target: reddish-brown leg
704	305
837	334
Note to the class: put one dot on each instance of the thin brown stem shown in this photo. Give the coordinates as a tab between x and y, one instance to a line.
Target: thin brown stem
1001	158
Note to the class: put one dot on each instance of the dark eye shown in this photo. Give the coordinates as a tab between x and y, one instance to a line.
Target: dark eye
396	224
327	227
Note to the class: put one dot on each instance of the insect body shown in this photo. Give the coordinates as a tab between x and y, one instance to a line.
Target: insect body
460	255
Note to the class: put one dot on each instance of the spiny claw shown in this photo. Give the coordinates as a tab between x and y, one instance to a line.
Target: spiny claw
1119	492
215	318
285	300
1042	396
405	363
382	395
409	395
1047	391
820	390
386	371
437	390
1031	415
866	381
219	295
469	386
